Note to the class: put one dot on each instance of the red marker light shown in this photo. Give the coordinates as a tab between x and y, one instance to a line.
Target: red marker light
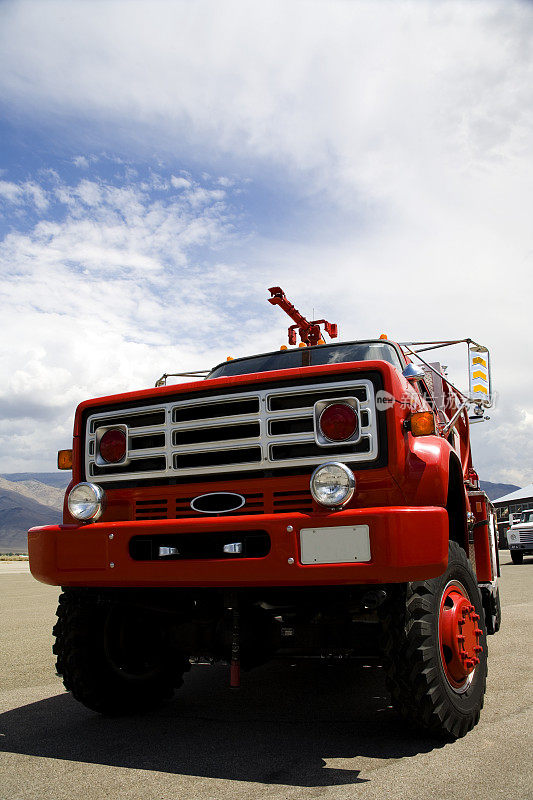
338	422
113	446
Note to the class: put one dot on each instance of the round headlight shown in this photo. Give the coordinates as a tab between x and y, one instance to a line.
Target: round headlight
332	484
513	537
86	501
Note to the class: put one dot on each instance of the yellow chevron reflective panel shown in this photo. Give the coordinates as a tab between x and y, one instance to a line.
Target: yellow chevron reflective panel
479	374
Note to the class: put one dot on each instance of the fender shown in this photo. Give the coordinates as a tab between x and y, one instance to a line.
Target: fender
427	470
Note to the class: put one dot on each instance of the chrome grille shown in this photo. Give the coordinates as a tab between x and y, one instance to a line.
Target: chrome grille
526	536
253	430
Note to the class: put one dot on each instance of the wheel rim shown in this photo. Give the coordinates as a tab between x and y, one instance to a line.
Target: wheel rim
459	636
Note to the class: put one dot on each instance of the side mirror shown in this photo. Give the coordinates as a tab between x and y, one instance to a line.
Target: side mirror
413	373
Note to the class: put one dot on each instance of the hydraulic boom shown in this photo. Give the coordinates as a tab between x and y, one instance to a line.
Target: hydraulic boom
310	332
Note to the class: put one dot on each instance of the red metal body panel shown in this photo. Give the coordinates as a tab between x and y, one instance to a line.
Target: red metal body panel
406	543
478	506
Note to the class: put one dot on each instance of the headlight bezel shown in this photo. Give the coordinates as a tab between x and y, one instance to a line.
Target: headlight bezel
349	486
98	504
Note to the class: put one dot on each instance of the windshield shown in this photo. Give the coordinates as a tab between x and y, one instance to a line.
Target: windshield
309	357
527	517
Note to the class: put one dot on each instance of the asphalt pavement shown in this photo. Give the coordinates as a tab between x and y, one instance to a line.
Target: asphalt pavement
304	731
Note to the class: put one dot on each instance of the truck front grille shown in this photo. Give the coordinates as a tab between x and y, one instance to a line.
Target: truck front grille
247	431
167	507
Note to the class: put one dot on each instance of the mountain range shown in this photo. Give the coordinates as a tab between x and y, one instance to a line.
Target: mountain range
36	498
28	499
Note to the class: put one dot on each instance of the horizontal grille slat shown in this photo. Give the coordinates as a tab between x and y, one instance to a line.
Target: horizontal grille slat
284	427
308	399
146	419
136	465
209	410
147	442
281	452
292	493
288	502
225	433
212	458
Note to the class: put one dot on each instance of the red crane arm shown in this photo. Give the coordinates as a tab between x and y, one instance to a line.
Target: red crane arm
310	332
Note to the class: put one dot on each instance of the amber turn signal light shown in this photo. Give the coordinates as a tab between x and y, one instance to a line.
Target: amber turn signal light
64	459
421	423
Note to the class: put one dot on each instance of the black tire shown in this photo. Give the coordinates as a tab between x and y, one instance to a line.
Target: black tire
114	659
517	556
492	608
418	660
497	612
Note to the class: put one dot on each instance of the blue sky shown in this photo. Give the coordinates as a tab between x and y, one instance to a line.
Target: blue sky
162	164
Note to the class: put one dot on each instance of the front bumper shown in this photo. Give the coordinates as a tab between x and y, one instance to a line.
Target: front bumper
521	546
405	544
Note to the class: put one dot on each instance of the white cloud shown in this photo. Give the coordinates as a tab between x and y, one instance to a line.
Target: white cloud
179	182
106	297
17	194
11	192
37	195
81	161
408	124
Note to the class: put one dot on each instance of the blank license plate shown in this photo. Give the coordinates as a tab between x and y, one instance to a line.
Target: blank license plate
339	545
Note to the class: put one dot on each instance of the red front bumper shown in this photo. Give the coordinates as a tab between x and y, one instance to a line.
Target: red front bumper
405	544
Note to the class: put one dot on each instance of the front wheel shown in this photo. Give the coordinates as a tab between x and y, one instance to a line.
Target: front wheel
115	659
436	650
517	556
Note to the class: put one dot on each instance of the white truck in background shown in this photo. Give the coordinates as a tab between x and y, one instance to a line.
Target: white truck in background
520	537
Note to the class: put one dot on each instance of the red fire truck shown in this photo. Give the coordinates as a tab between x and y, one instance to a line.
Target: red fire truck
318	500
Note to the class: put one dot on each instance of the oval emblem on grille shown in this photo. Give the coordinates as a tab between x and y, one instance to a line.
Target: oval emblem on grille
217	502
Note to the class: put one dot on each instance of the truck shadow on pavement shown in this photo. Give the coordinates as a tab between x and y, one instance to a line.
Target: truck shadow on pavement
280	728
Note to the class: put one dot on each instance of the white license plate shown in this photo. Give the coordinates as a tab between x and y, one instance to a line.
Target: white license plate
343	544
